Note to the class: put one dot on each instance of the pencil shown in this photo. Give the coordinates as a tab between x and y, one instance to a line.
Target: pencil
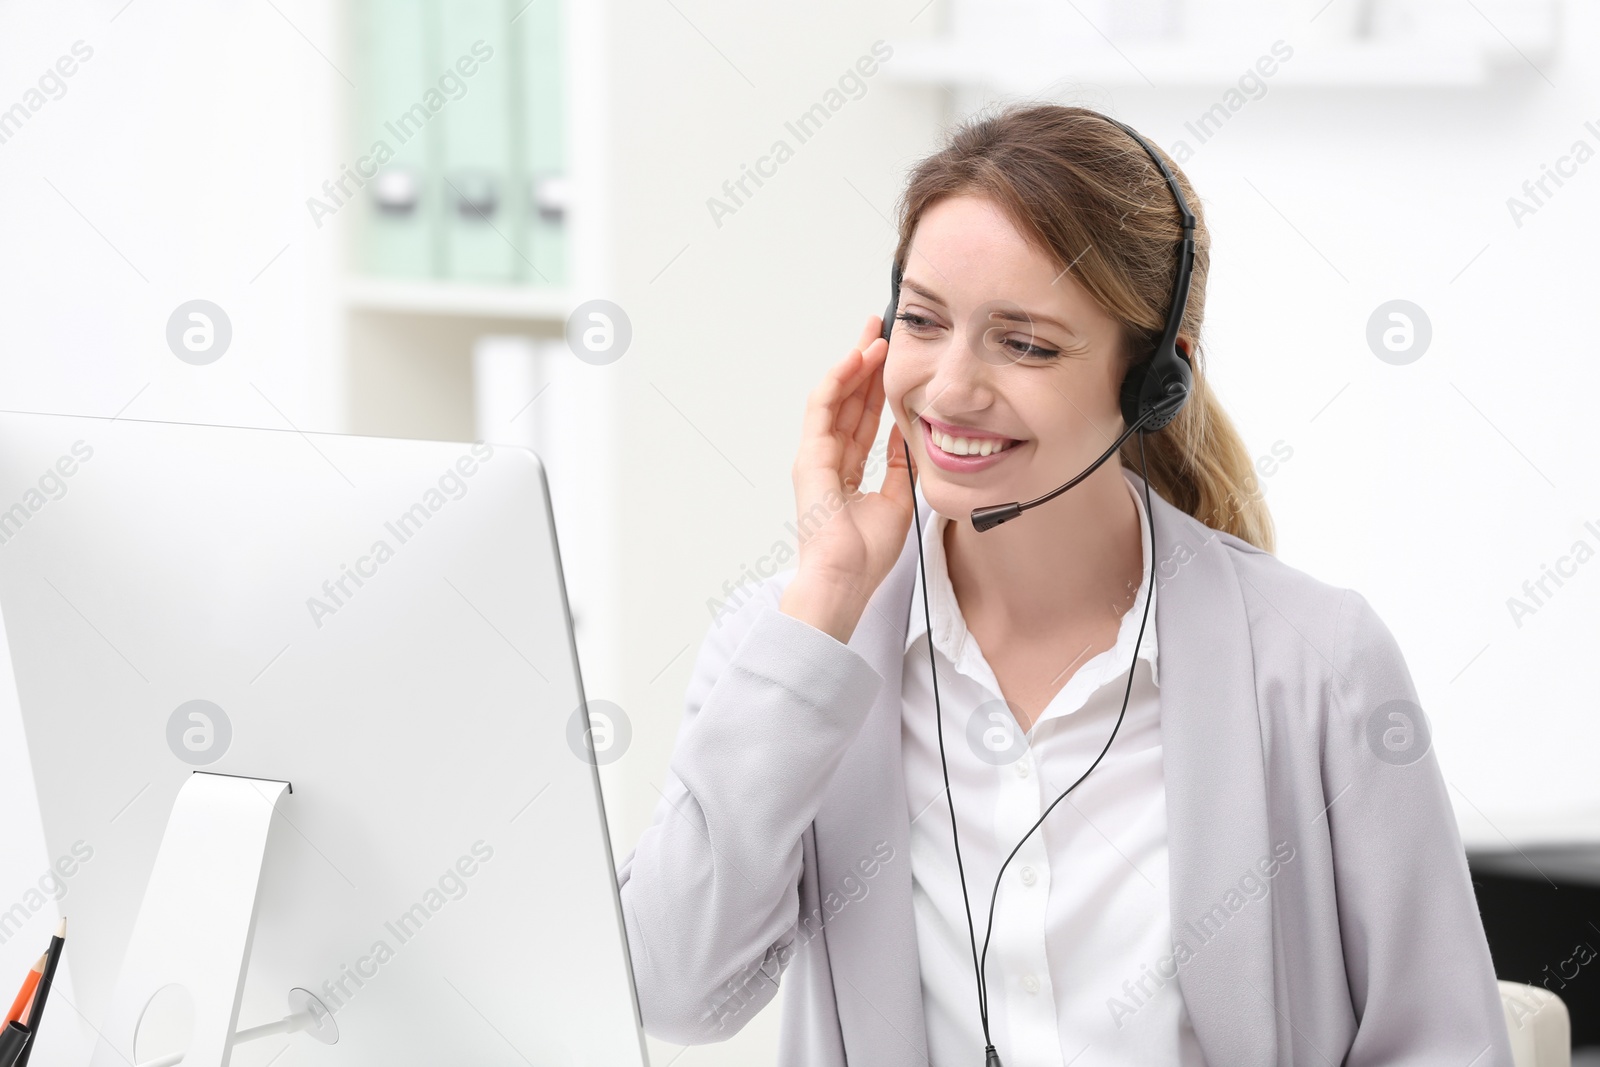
42	993
26	992
13	1042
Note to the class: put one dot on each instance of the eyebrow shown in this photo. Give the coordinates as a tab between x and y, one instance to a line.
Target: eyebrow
1002	314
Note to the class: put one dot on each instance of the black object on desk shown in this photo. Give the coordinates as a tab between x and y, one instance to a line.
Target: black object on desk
1541	915
13	1040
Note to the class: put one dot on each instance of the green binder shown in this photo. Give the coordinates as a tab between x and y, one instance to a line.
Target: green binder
540	141
477	168
397	206
467	98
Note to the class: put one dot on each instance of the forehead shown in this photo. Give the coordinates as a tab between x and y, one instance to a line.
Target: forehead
967	250
968	230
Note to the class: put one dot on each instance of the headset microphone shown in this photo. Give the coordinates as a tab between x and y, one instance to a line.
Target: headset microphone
1152	393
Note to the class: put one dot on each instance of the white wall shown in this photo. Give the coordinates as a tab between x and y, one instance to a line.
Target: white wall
182	152
175	167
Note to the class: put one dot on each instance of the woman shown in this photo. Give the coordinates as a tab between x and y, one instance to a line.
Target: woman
1262	868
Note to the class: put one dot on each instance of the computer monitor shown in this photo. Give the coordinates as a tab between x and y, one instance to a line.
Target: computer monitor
382	624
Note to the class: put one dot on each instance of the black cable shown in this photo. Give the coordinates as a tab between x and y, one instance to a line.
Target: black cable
979	963
938	717
1126	693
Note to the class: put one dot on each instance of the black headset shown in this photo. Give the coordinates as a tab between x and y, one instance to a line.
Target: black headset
1152	394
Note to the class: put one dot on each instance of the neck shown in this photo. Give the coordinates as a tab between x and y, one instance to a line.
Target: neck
1055	565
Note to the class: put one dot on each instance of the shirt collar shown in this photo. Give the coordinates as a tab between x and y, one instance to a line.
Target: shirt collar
950	630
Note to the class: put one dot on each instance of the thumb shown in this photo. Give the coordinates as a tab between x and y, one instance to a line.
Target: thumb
896	482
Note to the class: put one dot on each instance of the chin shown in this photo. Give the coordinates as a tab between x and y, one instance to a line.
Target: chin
959	501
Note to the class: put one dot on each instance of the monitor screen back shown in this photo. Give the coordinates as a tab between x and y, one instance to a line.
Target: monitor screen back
383	624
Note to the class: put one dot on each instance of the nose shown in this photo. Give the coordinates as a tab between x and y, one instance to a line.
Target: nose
960	377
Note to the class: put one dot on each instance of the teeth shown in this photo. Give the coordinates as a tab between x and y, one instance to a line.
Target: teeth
962	446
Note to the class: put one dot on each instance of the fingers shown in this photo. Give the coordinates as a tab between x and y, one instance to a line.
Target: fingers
824	410
864	431
867	429
843	412
856	401
860	418
847	375
870	332
872	347
823	403
871	362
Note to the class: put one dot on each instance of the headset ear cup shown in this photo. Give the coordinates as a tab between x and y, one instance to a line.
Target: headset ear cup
1149	385
1177	372
1132	389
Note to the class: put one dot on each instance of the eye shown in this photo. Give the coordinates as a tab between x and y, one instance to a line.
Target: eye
916	322
1027	348
1017	345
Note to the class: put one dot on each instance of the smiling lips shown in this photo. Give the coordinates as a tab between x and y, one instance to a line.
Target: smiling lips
962	449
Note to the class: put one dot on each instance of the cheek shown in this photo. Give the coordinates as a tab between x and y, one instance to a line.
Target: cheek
1057	422
900	376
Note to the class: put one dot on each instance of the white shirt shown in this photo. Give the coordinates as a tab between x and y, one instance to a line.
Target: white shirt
1080	962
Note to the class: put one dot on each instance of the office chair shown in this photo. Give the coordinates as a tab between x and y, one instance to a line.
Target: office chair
1541	1031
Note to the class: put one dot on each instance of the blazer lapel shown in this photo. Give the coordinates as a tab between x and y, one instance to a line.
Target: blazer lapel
1212	766
872	941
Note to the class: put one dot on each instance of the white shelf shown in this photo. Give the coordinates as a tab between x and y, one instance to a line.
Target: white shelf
467	300
1040	45
1002	67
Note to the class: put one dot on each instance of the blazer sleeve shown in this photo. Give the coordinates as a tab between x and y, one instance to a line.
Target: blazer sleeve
710	894
1421	979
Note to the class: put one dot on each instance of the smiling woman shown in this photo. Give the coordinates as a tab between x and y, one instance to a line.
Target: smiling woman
1050	290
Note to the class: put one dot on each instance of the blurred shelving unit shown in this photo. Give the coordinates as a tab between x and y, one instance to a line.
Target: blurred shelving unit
969	65
525	303
1019	47
471	219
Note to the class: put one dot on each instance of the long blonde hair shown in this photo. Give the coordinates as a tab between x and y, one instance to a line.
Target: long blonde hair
1091	197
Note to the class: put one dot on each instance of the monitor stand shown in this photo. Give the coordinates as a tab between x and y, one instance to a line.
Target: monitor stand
195	926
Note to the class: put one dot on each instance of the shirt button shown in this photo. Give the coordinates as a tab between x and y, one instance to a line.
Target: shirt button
1022	768
1030	983
1028	876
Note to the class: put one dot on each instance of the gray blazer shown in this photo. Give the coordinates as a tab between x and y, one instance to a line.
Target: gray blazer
779	848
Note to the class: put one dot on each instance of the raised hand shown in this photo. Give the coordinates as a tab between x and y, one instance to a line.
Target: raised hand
850	539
